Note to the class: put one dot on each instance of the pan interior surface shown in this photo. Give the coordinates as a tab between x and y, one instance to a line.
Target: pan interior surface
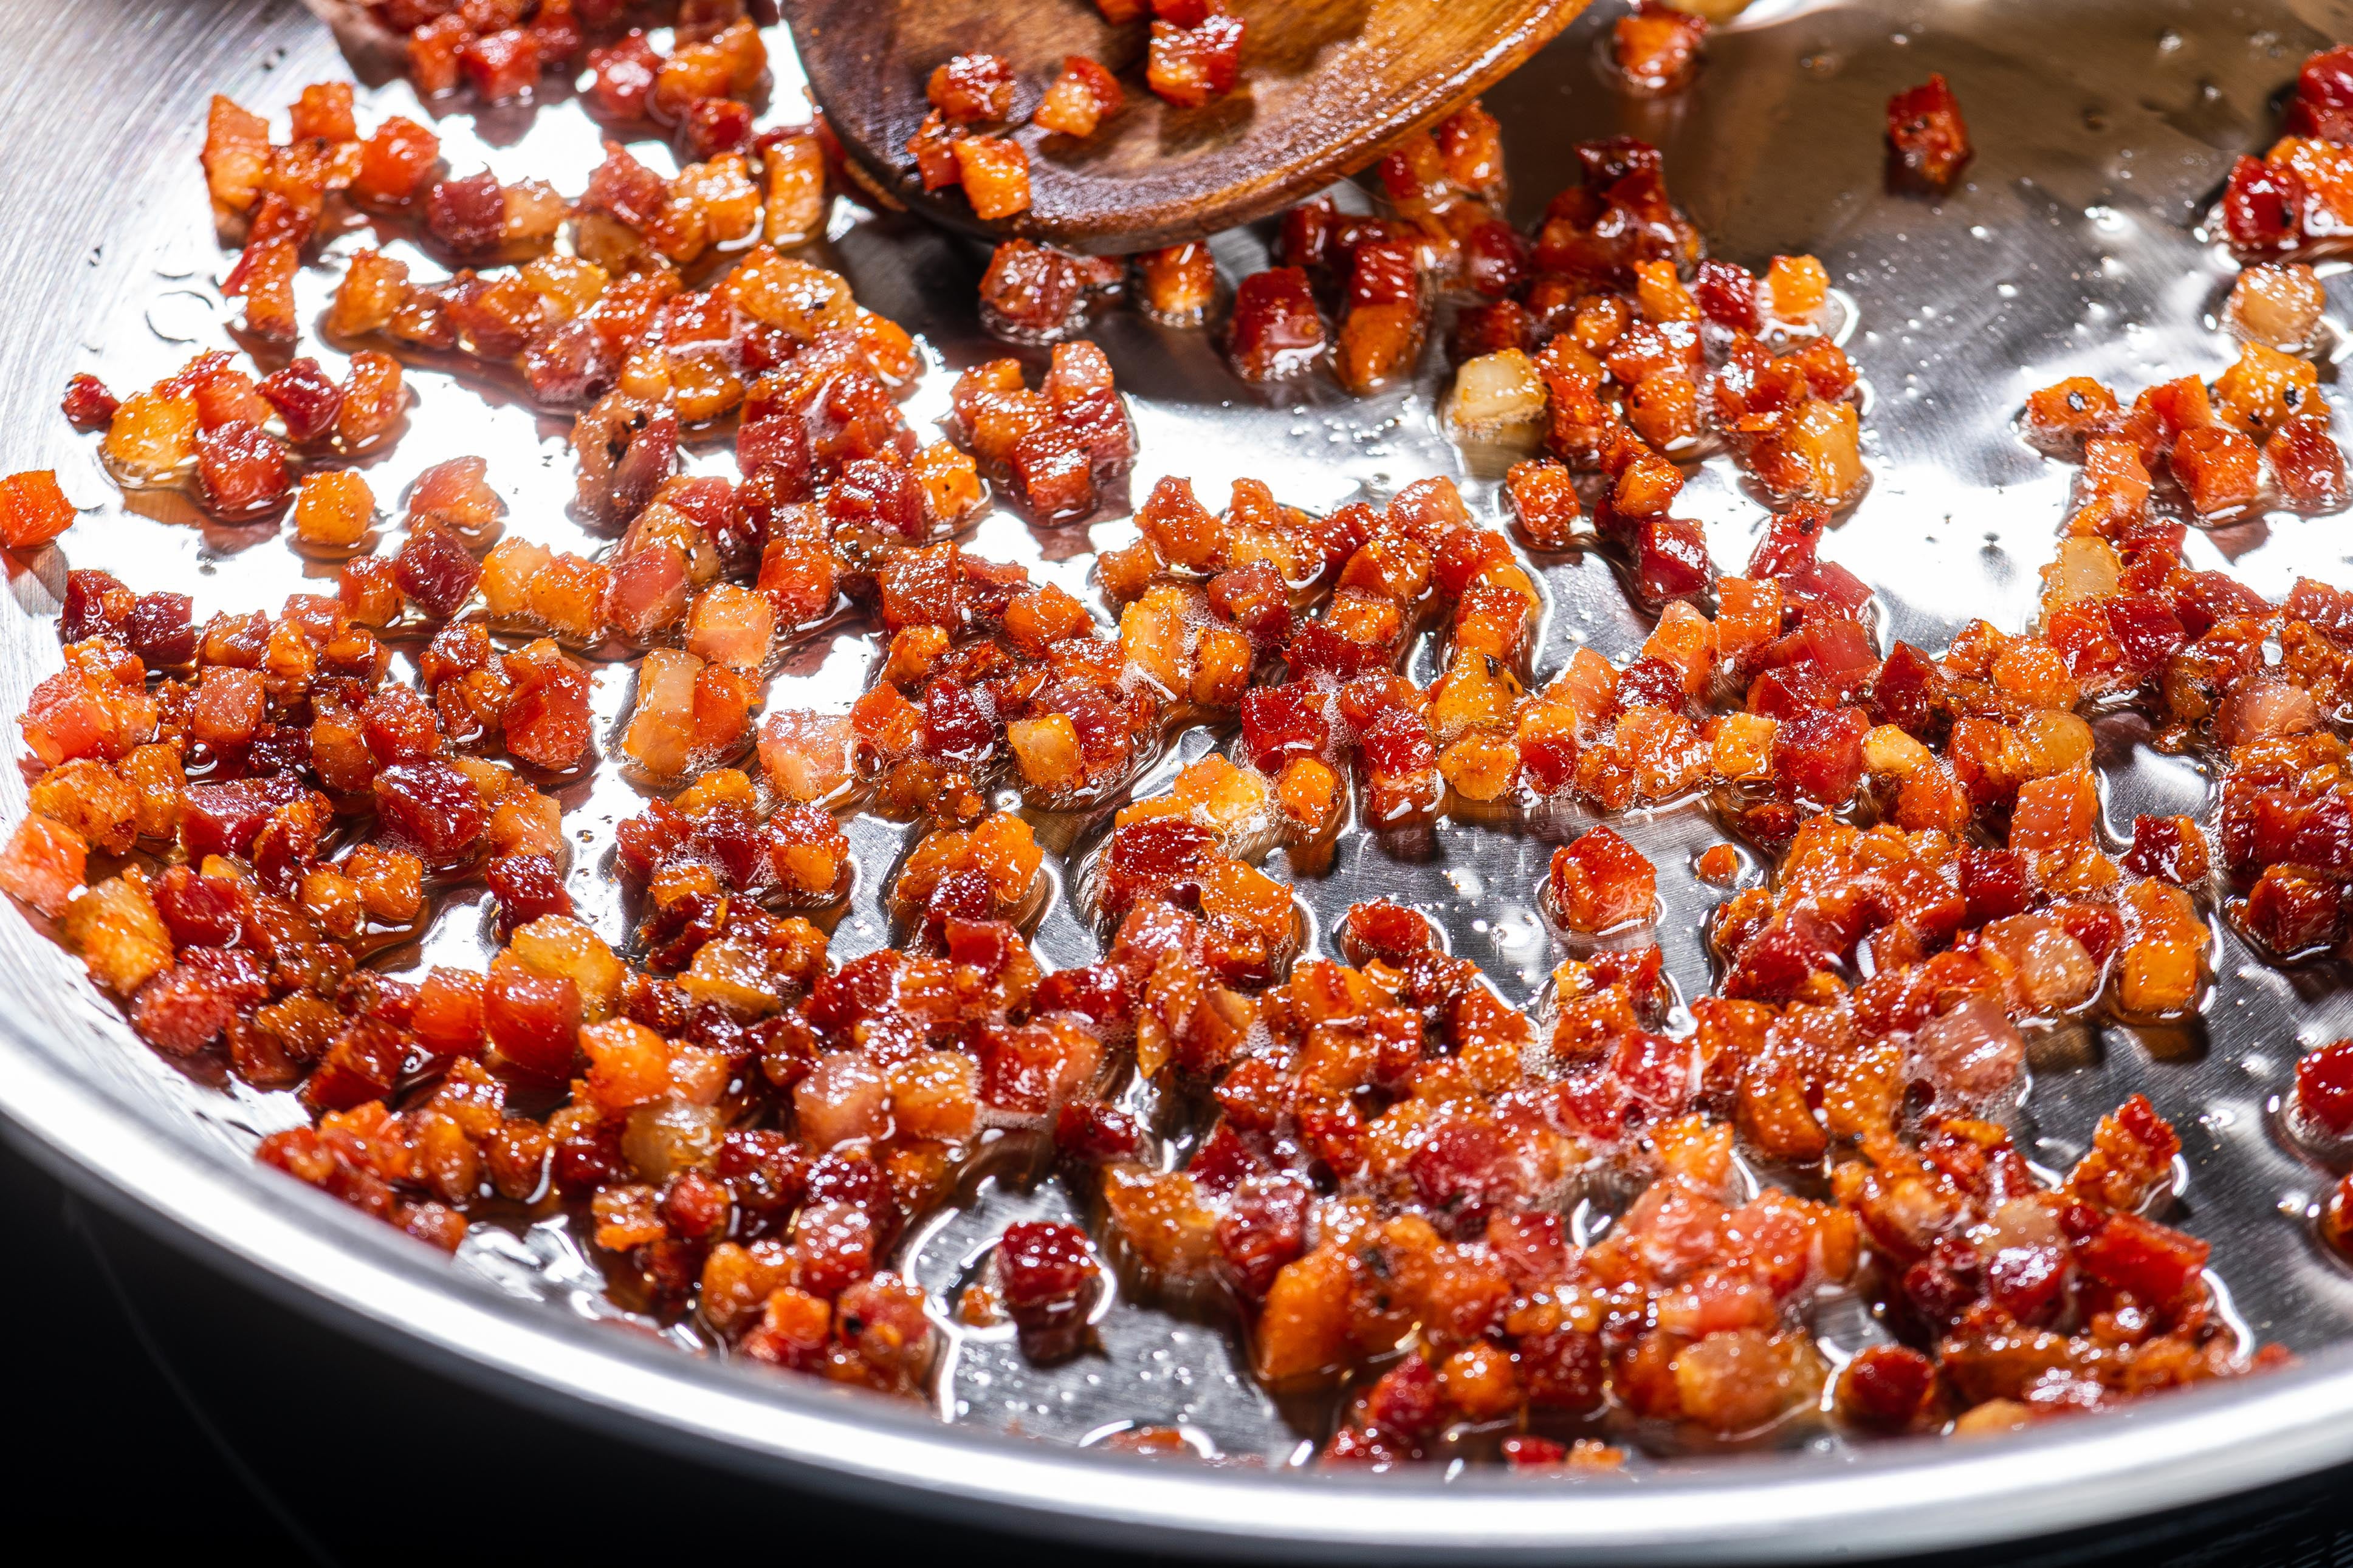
2073	247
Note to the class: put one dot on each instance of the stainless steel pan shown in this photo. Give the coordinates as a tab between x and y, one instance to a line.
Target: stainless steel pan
2103	129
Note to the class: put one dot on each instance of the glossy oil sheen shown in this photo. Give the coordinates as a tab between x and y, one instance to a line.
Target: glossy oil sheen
2102	132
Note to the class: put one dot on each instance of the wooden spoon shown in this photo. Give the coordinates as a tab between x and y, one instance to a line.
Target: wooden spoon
1325	86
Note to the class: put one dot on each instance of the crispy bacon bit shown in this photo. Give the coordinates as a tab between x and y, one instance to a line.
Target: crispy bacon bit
1926	134
397	163
995	173
2307	464
1083	97
501	65
1496	392
469	215
716	125
306	401
1035	293
972	90
1658	46
1190	65
1277	331
88	404
334	510
2277	305
2262	209
1601	882
33	510
1177	283
1381	328
241	468
2323	1089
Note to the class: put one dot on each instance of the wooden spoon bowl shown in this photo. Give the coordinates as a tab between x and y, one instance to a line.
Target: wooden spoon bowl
1325	86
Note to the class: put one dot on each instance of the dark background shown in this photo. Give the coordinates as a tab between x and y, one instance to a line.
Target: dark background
162	1406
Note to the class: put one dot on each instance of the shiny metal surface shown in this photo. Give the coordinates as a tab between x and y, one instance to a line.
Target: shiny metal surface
2103	129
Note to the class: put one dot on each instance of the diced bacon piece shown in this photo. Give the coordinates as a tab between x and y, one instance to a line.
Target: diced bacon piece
622	75
972	90
1081	98
1048	1275
547	721
87	404
1414	176
1926	132
2265	387
431	806
434	569
1726	293
1658	46
334	510
995	173
1817	454
1601	882
1670	561
236	155
305	399
1276	330
2219	468
2277	304
1188	67
1797	288
1470	141
114	926
2323	1089
806	757
397	163
1178	283
323	112
1381	331
2323	105
1035	293
1000	851
2293	912
2307	464
468	215
1543	501
1971	1051
2168	847
433	51
2155	1262
373	400
152	436
1886	1386
241	468
730	626
531	1020
44	864
2263	208
663	734
502	65
33	510
2162	962
369	591
933	147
